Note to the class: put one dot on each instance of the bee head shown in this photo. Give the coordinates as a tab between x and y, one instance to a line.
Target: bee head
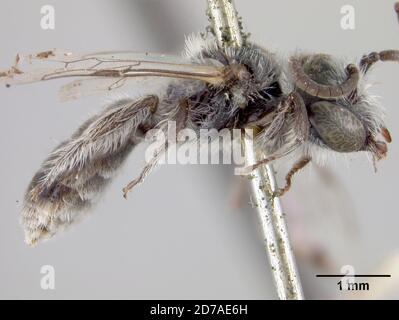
343	116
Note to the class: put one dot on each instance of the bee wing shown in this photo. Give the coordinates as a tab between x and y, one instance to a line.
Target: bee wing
115	67
96	86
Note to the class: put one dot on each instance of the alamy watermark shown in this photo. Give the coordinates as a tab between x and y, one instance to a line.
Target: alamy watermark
47	281
348	21
205	146
47	22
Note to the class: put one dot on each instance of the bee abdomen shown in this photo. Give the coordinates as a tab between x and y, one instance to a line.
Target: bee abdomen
79	169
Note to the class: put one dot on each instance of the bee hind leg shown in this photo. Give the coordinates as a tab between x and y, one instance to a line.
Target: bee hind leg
181	116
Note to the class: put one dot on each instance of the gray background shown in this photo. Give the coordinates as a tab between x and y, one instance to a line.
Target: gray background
189	231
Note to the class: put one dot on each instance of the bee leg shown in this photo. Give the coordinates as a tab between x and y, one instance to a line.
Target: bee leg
300	164
301	123
151	165
293	105
182	115
290	104
247	170
181	118
386	134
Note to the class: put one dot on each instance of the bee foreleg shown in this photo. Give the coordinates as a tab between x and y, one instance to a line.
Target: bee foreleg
300	164
301	120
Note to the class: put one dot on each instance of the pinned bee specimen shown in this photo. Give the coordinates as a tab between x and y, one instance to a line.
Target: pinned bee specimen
310	103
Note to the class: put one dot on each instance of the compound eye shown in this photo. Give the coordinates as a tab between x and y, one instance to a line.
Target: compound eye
337	127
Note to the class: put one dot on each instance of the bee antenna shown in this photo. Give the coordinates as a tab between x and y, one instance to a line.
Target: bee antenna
305	83
369	60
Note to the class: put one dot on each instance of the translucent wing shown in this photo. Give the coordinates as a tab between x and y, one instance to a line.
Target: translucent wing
110	70
94	86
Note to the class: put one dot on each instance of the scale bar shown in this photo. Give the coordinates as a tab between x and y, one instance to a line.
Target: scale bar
353	275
